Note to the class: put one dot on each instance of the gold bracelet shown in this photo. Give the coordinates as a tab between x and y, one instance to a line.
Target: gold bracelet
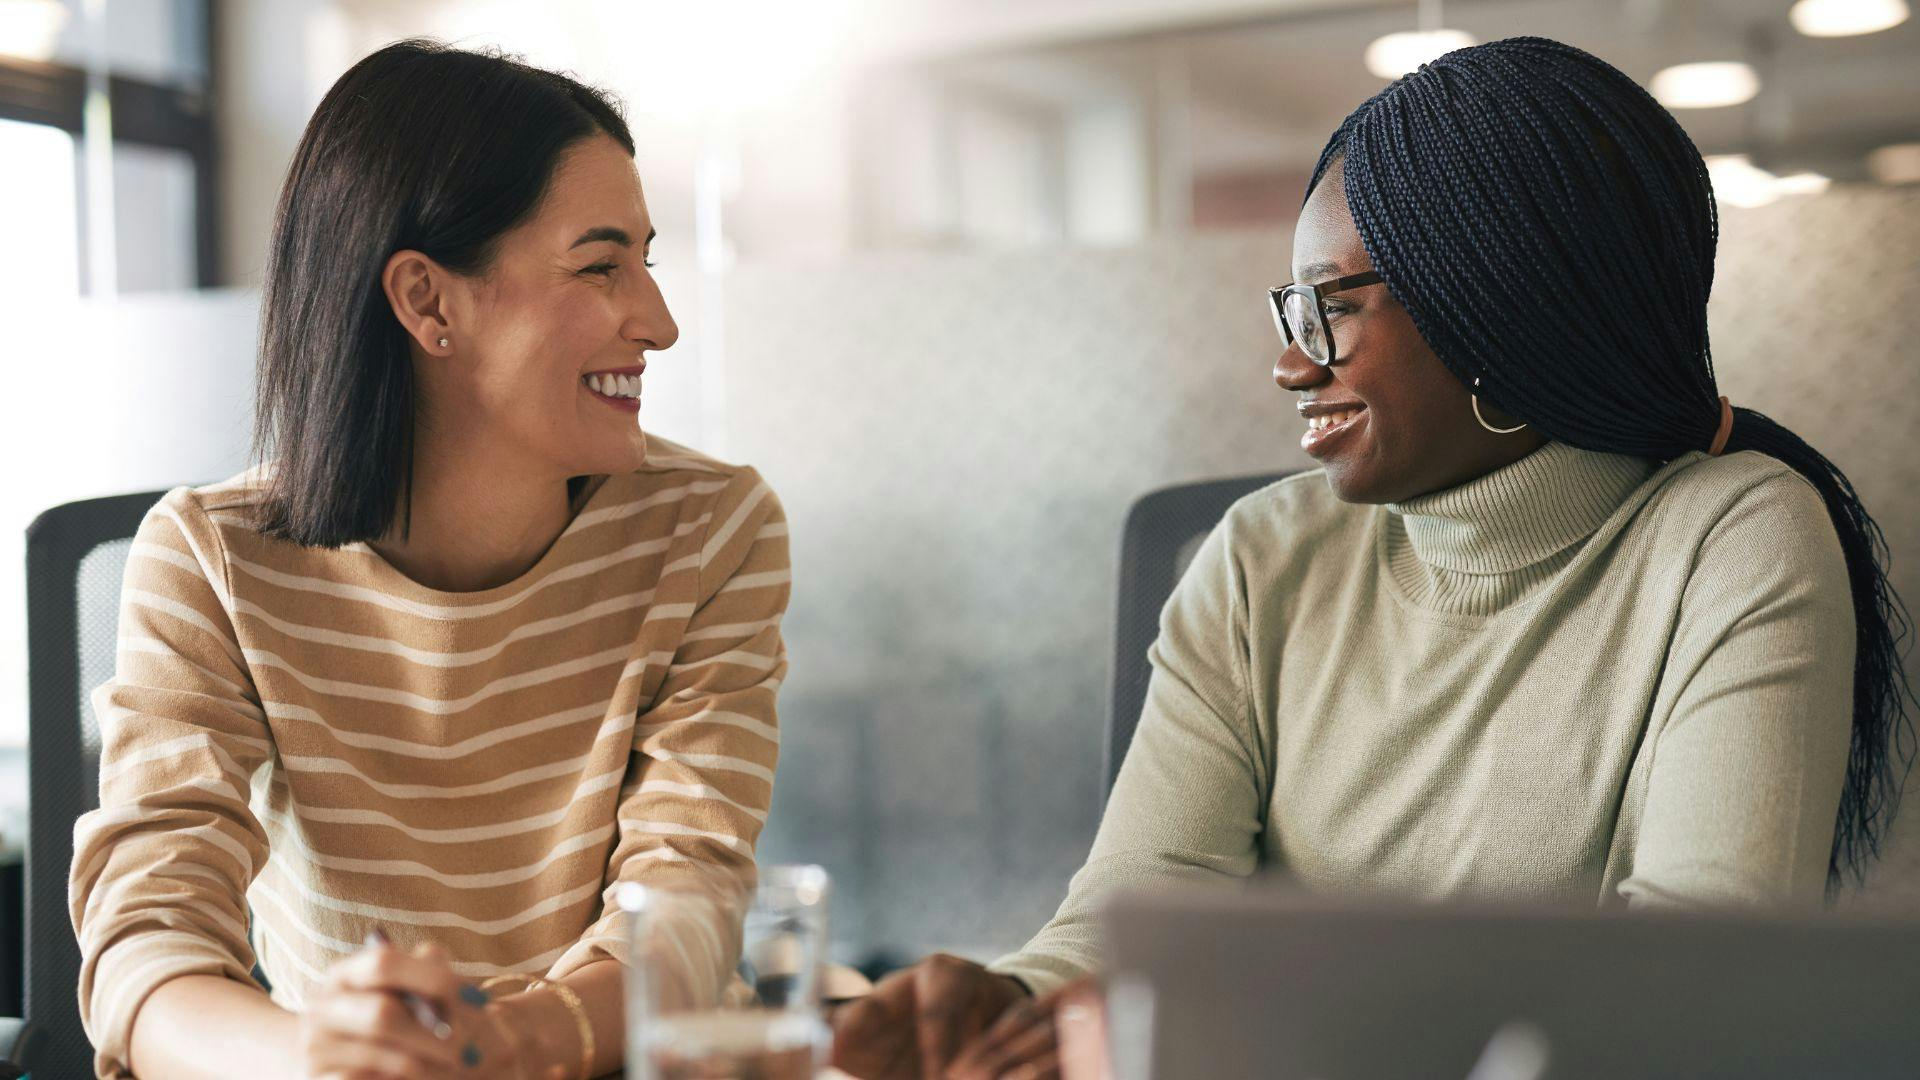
572	1001
526	983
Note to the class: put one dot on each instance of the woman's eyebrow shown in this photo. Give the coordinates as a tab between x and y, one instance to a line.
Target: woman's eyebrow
609	232
1316	271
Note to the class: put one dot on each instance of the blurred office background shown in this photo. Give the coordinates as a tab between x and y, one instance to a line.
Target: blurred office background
963	278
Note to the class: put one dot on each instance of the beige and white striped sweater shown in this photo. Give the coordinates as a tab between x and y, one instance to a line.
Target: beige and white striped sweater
314	734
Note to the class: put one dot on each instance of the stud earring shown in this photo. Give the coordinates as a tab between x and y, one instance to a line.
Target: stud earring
443	343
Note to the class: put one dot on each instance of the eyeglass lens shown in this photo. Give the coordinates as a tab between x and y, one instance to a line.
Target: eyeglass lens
1305	324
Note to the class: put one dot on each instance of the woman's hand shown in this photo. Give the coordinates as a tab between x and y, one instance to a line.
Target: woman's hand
1059	1037
358	1026
916	1022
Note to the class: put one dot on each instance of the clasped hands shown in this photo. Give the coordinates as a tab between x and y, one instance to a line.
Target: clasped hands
359	1024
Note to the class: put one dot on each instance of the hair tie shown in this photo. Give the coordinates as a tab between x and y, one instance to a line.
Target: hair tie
1726	428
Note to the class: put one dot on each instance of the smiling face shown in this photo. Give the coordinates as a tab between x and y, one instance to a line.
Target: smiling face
1392	422
547	345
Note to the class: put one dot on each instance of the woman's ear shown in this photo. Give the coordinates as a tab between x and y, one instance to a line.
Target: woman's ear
418	289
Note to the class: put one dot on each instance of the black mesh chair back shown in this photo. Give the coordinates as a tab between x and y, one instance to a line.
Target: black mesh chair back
75	555
1163	531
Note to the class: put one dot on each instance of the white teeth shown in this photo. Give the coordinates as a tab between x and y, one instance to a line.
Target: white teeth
612	385
1321	423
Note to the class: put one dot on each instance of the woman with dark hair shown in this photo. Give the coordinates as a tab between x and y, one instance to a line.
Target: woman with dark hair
462	656
1554	620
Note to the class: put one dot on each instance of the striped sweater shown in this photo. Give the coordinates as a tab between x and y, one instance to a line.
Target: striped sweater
309	737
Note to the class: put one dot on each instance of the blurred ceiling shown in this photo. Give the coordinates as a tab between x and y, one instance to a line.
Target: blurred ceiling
1823	102
1261	89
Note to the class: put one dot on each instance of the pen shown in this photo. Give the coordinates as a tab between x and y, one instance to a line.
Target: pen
423	1010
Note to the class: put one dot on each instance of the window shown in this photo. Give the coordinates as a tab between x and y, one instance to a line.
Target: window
38	195
155	193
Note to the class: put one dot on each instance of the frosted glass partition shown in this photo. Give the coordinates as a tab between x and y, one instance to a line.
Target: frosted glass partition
1815	315
957	439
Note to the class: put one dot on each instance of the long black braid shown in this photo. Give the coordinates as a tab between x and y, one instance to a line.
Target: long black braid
1551	230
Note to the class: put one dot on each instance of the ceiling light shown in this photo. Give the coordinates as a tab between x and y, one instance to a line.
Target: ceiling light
1394	55
1737	181
1898	163
30	29
1845	18
1802	183
1706	85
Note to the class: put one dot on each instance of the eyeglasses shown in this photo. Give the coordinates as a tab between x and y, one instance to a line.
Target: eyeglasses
1300	313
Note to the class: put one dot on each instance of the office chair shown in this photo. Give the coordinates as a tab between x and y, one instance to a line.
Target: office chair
1163	530
75	555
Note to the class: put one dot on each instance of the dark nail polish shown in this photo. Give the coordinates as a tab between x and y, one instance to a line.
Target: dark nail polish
470	1055
474	996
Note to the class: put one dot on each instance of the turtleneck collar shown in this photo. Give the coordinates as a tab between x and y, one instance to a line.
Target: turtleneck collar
1521	514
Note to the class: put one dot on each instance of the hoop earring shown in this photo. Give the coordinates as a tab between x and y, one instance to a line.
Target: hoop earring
1483	420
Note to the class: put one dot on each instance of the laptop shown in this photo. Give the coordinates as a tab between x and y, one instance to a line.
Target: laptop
1274	982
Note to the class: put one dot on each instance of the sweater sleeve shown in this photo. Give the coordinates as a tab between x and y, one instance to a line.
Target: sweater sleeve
1187	805
160	871
701	779
1748	768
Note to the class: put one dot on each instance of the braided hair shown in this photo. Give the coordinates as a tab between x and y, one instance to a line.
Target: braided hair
1523	200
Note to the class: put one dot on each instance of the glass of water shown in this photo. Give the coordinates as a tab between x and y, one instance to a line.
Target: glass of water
765	1023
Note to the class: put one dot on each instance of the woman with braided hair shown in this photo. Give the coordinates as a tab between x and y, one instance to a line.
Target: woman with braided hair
1554	620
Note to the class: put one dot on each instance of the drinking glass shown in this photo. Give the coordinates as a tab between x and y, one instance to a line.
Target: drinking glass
766	1023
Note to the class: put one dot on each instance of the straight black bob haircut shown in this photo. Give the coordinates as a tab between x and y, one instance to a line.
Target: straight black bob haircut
418	146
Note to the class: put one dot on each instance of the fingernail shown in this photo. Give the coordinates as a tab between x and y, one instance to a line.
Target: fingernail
375	939
427	1013
470	1055
474	996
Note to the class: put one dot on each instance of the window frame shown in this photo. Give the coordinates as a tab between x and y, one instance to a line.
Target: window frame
145	113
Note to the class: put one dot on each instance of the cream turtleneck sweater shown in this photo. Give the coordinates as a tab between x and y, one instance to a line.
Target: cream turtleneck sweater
1581	677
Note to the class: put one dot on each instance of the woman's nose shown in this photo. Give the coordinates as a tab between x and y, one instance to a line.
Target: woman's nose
662	331
650	325
1294	371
